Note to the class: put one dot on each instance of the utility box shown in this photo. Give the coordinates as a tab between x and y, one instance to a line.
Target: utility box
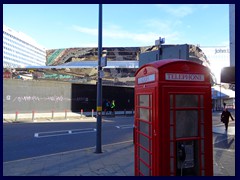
173	119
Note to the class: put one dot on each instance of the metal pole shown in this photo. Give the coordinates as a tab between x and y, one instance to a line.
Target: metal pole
220	97
99	85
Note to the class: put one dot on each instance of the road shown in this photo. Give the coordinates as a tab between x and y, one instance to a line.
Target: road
25	140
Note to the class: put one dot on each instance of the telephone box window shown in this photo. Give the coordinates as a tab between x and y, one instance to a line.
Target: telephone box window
144	141
171	117
171	101
202	116
144	155
144	169
203	163
202	145
172	165
202	130
144	100
144	127
171	132
171	148
186	123
144	114
186	100
201	100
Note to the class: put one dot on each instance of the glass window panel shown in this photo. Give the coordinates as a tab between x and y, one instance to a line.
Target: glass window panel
144	141
144	100
171	132
186	100
145	156
186	123
150	100
144	114
172	165
171	117
202	145
201	100
202	130
144	169
202	116
171	148
203	162
150	116
171	101
144	127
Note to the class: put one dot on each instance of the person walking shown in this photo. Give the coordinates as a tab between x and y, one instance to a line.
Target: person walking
225	117
113	105
107	106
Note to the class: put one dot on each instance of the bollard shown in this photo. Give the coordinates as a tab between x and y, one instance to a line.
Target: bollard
92	112
33	115
132	111
81	113
16	117
52	114
65	114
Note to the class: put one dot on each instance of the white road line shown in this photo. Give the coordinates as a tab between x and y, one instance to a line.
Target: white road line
63	132
124	126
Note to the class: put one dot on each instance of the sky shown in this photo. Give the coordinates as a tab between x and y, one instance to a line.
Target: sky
56	26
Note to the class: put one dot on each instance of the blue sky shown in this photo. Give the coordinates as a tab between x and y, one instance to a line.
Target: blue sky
124	25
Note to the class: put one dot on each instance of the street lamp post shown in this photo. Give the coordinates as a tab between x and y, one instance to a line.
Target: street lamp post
99	86
158	43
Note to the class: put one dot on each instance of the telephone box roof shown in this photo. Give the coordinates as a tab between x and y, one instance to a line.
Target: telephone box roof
161	63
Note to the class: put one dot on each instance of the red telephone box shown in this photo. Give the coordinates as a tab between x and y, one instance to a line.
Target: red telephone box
173	119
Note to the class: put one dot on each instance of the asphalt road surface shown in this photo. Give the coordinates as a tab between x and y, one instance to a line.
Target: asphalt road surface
26	140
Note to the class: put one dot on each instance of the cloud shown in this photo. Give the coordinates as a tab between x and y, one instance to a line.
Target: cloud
177	10
224	43
90	31
114	33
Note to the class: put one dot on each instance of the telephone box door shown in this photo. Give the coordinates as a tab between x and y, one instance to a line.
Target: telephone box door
186	109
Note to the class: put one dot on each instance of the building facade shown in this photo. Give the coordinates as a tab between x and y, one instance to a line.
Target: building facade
218	57
228	72
232	33
20	50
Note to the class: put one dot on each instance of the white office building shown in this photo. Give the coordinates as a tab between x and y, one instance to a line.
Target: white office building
232	34
219	57
20	50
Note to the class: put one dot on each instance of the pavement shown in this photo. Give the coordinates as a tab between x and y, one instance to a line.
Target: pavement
115	160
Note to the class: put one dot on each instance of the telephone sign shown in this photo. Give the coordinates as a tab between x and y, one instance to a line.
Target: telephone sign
184	77
146	79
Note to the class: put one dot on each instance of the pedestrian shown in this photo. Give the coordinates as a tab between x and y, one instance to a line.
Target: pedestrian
224	105
225	117
113	105
108	106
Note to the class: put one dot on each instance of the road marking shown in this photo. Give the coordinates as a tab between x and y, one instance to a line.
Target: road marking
63	132
124	126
